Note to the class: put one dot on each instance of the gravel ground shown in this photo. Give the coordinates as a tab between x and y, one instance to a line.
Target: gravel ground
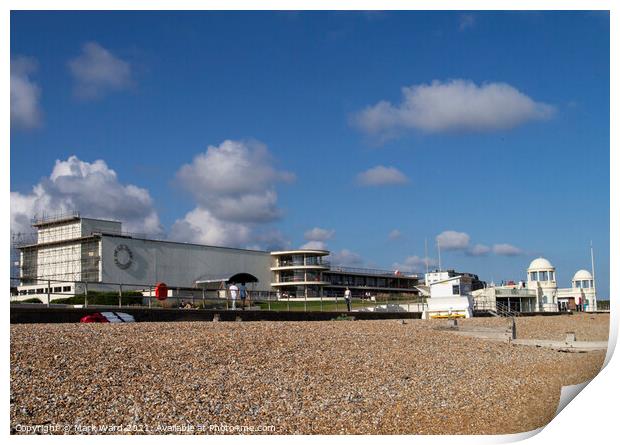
587	327
364	377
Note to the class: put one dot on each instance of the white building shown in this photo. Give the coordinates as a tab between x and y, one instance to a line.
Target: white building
450	297
540	293
541	278
581	293
73	254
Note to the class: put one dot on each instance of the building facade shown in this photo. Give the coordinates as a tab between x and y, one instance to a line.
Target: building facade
72	254
540	292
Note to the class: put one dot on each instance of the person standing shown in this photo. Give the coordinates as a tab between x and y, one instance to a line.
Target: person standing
234	291
243	293
347	298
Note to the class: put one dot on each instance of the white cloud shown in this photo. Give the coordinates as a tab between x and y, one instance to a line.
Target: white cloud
414	263
466	21
235	181
451	240
319	234
93	189
455	105
345	257
25	94
97	71
200	226
381	175
506	250
233	185
394	234
479	250
319	245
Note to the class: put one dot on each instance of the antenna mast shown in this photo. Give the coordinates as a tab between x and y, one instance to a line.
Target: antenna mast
593	277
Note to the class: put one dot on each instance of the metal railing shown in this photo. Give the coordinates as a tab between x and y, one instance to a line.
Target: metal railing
283	263
50	292
361	270
50	218
288	279
499	309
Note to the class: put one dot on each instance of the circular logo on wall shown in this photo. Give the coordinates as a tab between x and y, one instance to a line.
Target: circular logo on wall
123	257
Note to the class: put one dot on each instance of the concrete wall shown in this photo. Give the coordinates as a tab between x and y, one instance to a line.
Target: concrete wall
179	264
24	314
100	226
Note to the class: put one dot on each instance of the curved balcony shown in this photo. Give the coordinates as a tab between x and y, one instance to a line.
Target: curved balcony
292	281
300	259
290	266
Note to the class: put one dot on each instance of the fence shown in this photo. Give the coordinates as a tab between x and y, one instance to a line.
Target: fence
54	292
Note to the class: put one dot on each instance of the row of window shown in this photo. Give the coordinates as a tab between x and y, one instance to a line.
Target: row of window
584	284
299	260
43	290
542	276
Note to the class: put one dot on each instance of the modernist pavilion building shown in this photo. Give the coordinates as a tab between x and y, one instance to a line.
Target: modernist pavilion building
72	252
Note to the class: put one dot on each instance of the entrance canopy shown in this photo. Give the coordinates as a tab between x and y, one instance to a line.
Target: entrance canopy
217	281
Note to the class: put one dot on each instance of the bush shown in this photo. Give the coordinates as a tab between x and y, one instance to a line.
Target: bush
29	300
103	298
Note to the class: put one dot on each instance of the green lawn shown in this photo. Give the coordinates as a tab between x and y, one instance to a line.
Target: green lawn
325	306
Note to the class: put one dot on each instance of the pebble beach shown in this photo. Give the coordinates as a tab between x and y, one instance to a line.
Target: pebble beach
333	377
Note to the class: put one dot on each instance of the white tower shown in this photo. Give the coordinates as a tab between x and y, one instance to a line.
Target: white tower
583	289
541	277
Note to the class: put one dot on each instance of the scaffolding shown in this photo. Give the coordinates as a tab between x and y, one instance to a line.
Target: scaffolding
76	261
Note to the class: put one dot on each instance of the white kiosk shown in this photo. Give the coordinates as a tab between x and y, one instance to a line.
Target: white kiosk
450	298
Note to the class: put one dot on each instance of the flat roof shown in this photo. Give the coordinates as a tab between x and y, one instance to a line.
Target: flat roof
116	235
300	251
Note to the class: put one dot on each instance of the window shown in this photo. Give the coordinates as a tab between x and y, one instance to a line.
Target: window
312	261
585	284
543	276
58	289
551	276
40	290
455	289
66	289
534	276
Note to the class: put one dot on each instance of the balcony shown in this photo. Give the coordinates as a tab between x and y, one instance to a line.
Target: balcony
291	265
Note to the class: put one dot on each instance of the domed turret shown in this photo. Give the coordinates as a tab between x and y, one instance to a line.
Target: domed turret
541	269
541	278
583	279
582	275
540	263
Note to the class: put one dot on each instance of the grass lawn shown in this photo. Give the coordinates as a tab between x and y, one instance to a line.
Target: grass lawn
326	305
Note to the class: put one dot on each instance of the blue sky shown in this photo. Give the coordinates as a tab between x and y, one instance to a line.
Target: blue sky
501	139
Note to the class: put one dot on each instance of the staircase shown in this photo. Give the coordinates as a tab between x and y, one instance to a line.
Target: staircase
502	310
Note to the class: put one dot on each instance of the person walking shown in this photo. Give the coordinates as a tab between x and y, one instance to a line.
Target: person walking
234	291
347	298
